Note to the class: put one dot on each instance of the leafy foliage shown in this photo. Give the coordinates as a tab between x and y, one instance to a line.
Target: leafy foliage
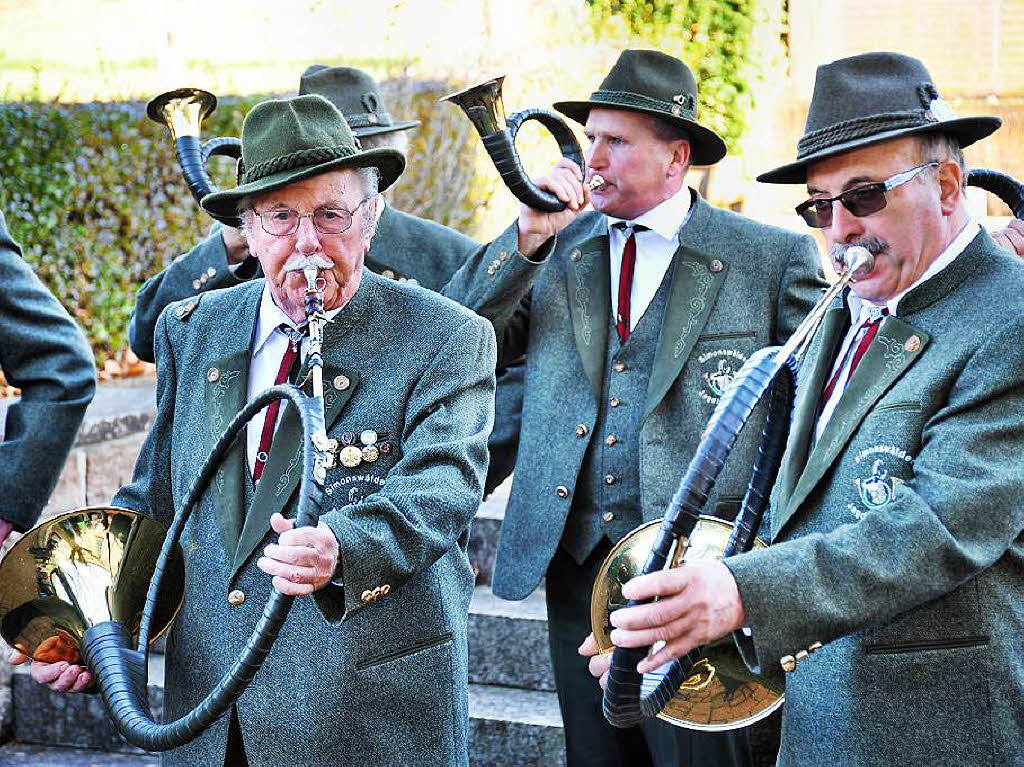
94	194
714	37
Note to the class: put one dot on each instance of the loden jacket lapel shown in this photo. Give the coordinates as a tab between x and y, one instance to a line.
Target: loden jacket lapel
281	474
811	383
227	383
896	347
697	276
590	305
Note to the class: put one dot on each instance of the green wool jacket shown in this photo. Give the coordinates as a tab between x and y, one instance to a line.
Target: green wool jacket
899	536
373	671
737	286
44	354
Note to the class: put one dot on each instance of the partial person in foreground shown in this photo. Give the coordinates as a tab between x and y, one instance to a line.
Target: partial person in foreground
632	317
890	596
410	379
43	353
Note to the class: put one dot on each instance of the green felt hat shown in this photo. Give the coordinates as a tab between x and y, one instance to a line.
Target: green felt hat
356	96
656	84
869	98
293	139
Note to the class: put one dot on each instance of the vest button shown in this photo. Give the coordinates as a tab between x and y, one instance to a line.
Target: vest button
562	491
610	440
607	516
619	367
236	597
614	402
213	375
581	430
609	479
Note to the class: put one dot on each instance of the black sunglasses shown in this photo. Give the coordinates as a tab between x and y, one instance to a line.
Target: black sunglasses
862	201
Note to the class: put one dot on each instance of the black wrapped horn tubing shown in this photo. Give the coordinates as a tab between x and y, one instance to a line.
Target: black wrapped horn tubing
121	671
1005	187
500	145
624	704
193	168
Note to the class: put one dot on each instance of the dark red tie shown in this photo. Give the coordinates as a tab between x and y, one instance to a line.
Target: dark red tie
871	330
626	281
291	352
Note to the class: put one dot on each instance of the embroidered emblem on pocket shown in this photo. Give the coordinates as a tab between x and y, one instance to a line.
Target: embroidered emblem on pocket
718	369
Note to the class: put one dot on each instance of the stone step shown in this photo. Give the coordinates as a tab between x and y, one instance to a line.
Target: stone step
503	721
508	641
33	755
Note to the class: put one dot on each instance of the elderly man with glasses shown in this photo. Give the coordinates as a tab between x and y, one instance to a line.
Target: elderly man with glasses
890	598
373	668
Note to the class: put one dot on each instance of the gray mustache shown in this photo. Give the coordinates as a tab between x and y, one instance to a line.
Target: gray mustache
313	261
874	246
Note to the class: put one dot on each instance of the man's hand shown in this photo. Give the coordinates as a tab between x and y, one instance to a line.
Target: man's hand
5	530
303	560
1012	237
60	676
599	662
235	244
535	226
698	603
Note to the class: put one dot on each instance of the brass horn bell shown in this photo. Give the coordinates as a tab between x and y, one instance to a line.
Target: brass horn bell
81	569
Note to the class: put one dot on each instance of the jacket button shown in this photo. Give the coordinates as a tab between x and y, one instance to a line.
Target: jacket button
814	647
385	589
802	655
366	596
236	597
716	266
341	382
607	516
562	491
609	479
388	273
581	430
611	440
196	285
213	375
619	367
211	272
614	402
788	663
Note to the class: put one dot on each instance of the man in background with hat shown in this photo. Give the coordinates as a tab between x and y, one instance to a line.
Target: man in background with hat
632	319
890	597
405	247
373	669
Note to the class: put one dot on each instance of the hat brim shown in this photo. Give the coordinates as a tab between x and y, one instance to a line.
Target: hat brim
966	130
223	205
376	130
706	146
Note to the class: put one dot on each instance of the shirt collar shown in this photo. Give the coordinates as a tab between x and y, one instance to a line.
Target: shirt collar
860	309
667	218
271	317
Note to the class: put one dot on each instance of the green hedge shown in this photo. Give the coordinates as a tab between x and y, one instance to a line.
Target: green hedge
94	195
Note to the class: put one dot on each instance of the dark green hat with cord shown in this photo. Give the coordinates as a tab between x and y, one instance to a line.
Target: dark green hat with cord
873	97
293	139
356	95
657	84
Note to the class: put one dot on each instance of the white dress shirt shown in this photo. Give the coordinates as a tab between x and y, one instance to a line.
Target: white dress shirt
654	251
268	348
861	310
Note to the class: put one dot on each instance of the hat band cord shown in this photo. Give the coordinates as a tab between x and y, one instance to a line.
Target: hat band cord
627	99
299	159
848	130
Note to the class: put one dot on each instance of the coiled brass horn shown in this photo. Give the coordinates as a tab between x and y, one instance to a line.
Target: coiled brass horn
485	108
182	111
75	587
710	689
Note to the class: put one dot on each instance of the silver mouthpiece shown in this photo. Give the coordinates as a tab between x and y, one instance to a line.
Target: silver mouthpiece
858	261
596	181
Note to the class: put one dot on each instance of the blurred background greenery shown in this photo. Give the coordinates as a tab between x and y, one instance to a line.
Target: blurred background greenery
92	191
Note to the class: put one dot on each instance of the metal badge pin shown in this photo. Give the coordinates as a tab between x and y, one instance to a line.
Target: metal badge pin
370	453
351	456
368	437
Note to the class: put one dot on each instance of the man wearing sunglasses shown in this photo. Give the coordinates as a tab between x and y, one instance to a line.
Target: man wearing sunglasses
890	598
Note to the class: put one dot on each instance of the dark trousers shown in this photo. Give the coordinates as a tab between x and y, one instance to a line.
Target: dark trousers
589	739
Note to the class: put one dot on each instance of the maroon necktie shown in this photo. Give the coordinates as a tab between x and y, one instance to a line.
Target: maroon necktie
626	280
871	330
291	353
